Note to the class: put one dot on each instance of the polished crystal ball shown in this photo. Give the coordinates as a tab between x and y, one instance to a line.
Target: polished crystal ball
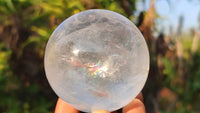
97	60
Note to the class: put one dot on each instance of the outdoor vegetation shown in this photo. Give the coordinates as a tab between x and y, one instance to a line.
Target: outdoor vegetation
173	85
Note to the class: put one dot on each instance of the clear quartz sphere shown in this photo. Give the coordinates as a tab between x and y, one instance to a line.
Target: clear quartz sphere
97	60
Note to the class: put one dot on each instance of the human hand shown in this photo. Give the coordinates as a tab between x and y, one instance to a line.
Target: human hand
135	106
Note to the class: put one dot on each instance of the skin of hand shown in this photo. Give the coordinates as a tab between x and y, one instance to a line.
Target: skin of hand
135	106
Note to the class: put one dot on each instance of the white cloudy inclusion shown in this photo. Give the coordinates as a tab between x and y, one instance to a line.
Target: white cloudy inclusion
97	60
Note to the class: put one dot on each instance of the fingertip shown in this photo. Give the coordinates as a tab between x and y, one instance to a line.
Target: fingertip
136	106
101	111
63	107
140	97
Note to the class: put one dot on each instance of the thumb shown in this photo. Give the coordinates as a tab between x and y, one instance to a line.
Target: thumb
101	111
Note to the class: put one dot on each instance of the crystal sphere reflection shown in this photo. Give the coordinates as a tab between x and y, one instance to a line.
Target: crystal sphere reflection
97	60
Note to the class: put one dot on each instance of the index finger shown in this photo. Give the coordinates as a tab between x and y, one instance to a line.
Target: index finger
135	106
63	107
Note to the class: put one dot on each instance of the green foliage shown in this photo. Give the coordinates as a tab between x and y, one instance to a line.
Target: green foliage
186	87
16	98
169	69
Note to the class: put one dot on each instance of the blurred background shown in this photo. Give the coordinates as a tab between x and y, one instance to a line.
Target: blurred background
171	29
